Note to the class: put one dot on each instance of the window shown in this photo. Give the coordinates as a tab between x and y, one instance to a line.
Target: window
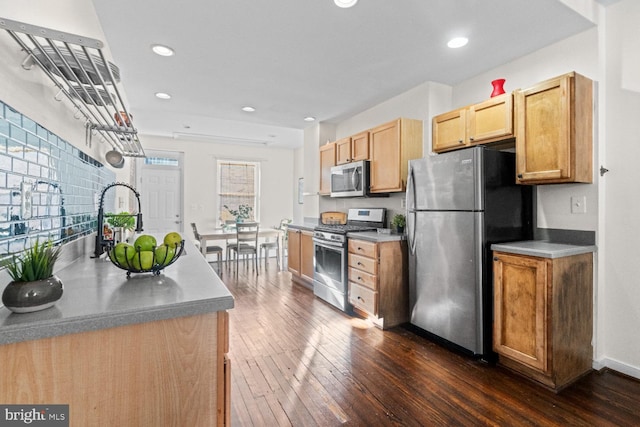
238	184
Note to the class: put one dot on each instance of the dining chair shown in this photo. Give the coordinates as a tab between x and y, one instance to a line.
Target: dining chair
268	245
246	242
217	250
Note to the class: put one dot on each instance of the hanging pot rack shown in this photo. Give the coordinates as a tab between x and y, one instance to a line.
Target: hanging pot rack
79	69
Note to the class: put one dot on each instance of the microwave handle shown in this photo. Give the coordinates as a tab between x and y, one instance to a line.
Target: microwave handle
355	178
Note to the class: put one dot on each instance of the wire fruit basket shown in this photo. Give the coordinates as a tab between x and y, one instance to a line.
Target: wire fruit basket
135	261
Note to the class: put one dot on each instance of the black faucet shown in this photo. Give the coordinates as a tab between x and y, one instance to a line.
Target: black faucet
101	243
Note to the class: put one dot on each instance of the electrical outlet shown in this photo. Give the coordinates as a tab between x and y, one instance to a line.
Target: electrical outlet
578	204
403	203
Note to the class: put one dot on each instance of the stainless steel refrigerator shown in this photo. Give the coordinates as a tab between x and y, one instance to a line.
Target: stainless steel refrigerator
458	204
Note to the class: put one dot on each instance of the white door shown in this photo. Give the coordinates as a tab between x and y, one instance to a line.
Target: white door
161	198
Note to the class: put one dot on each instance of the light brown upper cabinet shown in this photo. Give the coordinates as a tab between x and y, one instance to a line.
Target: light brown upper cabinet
488	121
554	131
353	148
391	146
491	120
327	161
449	131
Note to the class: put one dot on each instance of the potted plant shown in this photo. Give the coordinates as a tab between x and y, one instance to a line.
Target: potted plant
34	286
242	214
120	223
398	222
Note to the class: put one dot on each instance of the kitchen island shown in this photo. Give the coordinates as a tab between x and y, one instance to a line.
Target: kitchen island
144	350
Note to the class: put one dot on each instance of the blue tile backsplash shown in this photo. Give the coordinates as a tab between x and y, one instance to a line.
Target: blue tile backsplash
49	189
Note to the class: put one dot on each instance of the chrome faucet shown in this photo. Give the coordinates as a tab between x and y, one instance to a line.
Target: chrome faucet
101	242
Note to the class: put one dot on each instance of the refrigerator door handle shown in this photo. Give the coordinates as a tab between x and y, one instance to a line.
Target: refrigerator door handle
411	214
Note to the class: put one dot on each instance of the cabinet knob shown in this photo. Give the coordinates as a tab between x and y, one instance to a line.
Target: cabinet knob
359	278
519	176
460	141
495	258
359	263
471	138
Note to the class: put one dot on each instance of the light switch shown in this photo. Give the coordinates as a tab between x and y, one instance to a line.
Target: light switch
578	204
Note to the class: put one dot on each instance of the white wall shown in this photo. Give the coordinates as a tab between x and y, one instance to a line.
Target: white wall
619	290
200	181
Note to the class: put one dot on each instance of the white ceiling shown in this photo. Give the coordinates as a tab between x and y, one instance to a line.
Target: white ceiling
295	58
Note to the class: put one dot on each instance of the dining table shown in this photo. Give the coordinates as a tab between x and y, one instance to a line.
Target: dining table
230	233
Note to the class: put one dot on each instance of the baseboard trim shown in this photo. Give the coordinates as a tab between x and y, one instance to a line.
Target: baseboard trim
618	366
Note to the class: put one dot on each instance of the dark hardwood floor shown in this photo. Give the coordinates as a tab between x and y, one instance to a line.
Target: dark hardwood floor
296	361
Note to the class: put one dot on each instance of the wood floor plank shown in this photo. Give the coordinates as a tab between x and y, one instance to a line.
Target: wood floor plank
297	361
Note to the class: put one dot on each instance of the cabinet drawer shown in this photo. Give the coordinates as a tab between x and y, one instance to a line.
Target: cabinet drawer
360	247
363	279
368	265
363	298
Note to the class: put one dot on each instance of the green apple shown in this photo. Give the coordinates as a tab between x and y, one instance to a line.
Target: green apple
143	260
164	254
145	243
123	254
173	239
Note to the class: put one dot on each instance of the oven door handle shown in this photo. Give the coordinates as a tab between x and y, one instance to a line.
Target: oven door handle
328	245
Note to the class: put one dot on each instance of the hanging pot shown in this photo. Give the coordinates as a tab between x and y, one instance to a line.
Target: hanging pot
114	158
26	297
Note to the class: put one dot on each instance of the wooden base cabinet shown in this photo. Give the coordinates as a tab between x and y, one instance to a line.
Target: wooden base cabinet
167	372
378	281
300	256
543	319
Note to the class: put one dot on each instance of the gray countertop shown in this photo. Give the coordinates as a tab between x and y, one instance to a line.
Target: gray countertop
306	225
98	295
374	236
542	248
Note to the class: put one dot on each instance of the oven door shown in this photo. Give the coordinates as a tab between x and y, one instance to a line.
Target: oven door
330	273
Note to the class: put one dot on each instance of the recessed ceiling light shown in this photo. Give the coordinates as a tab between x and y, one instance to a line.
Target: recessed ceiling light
345	3
248	109
162	50
457	42
309	119
163	95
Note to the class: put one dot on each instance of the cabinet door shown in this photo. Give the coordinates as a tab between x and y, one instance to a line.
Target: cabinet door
520	309
293	251
343	151
491	120
327	161
543	134
306	255
385	153
360	146
554	131
449	131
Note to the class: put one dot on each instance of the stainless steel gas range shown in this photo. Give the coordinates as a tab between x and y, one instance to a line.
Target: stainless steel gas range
330	280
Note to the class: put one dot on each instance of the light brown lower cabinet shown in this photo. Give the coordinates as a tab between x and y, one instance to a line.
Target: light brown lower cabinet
543	321
300	256
378	281
166	372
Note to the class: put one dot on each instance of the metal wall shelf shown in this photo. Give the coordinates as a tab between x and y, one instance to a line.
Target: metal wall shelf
78	67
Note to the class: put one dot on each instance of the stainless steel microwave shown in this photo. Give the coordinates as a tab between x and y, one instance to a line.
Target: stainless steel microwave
350	179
